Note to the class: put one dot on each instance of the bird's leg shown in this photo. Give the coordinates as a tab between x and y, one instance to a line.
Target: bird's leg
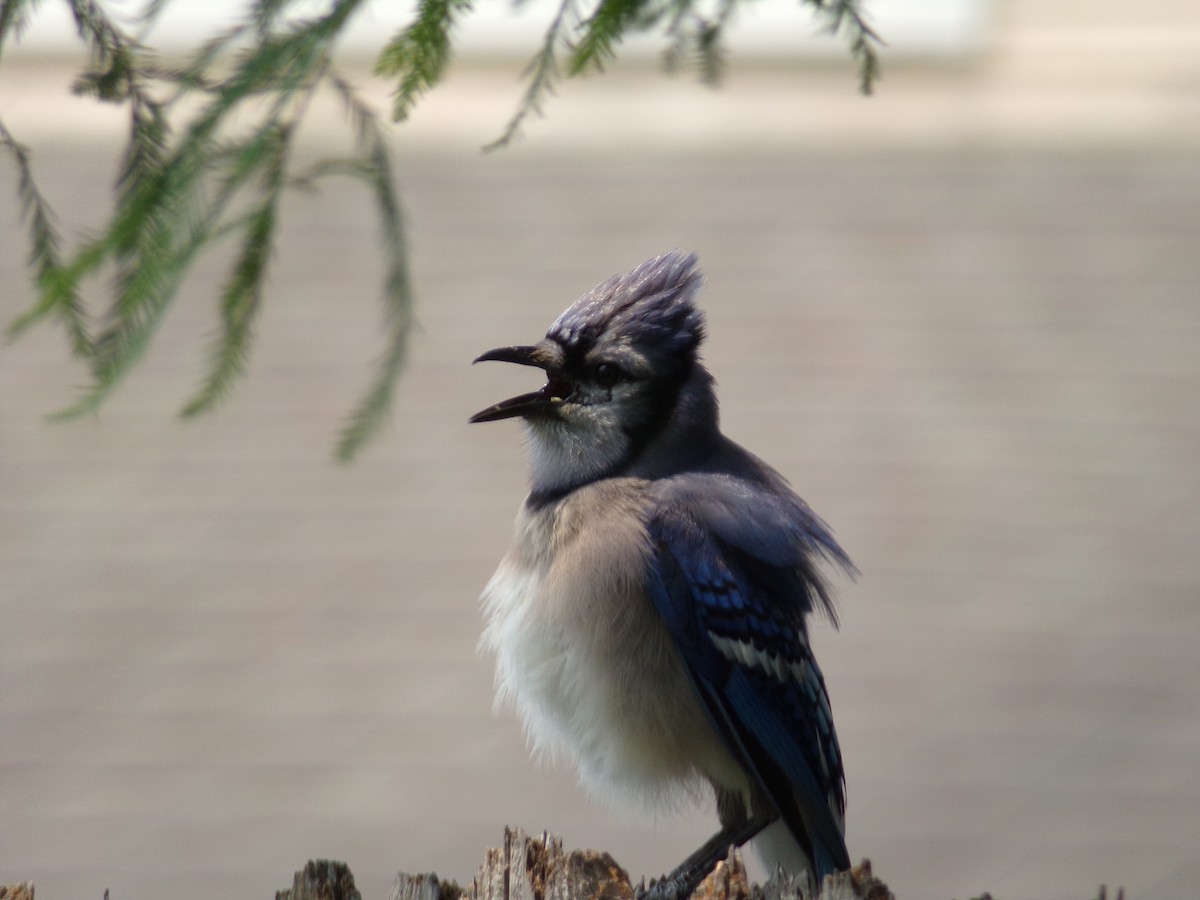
687	876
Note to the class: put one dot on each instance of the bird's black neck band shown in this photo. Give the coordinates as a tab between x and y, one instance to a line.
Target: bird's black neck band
641	437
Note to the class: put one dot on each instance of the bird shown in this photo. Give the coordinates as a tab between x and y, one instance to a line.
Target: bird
650	622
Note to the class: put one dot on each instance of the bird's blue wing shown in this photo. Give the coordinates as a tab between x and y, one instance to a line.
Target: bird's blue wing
746	649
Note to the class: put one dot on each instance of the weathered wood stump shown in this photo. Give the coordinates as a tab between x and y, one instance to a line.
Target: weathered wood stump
321	879
22	891
537	868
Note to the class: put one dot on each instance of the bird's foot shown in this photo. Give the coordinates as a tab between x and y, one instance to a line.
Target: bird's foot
682	883
679	885
676	886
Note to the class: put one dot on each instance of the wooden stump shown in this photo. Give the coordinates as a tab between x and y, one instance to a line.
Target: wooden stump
536	868
22	891
322	879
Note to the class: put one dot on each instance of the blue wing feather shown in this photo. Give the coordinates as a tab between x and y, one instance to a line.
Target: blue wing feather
739	625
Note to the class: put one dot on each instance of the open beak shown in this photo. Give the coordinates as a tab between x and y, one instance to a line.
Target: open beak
540	402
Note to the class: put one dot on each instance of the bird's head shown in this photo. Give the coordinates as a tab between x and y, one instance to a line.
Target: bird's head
616	362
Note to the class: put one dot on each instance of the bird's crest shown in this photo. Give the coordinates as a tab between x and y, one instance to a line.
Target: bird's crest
650	307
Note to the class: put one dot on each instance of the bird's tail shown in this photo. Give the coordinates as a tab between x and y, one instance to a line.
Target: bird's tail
777	848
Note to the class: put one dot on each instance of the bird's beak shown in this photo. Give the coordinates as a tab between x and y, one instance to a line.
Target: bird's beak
537	402
522	356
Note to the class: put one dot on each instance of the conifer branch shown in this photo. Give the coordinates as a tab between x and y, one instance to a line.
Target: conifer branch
44	255
846	16
242	295
14	18
374	167
164	215
418	54
695	40
542	72
602	31
190	178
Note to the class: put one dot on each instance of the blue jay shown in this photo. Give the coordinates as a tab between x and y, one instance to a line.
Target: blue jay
649	622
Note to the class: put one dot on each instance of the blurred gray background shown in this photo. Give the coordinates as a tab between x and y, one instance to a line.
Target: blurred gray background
962	317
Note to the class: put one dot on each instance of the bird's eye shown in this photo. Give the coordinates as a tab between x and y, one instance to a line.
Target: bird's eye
606	374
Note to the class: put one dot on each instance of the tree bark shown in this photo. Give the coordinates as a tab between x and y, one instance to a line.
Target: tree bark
22	891
537	868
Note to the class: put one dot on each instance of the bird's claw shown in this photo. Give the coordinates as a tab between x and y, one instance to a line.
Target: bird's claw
669	887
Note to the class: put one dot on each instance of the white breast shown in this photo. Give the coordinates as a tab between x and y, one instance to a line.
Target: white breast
585	659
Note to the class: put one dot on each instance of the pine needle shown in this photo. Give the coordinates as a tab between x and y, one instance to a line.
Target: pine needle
420	53
189	178
846	16
241	298
14	18
542	72
45	256
374	167
611	21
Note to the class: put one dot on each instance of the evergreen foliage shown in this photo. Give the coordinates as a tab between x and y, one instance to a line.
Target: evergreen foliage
218	171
